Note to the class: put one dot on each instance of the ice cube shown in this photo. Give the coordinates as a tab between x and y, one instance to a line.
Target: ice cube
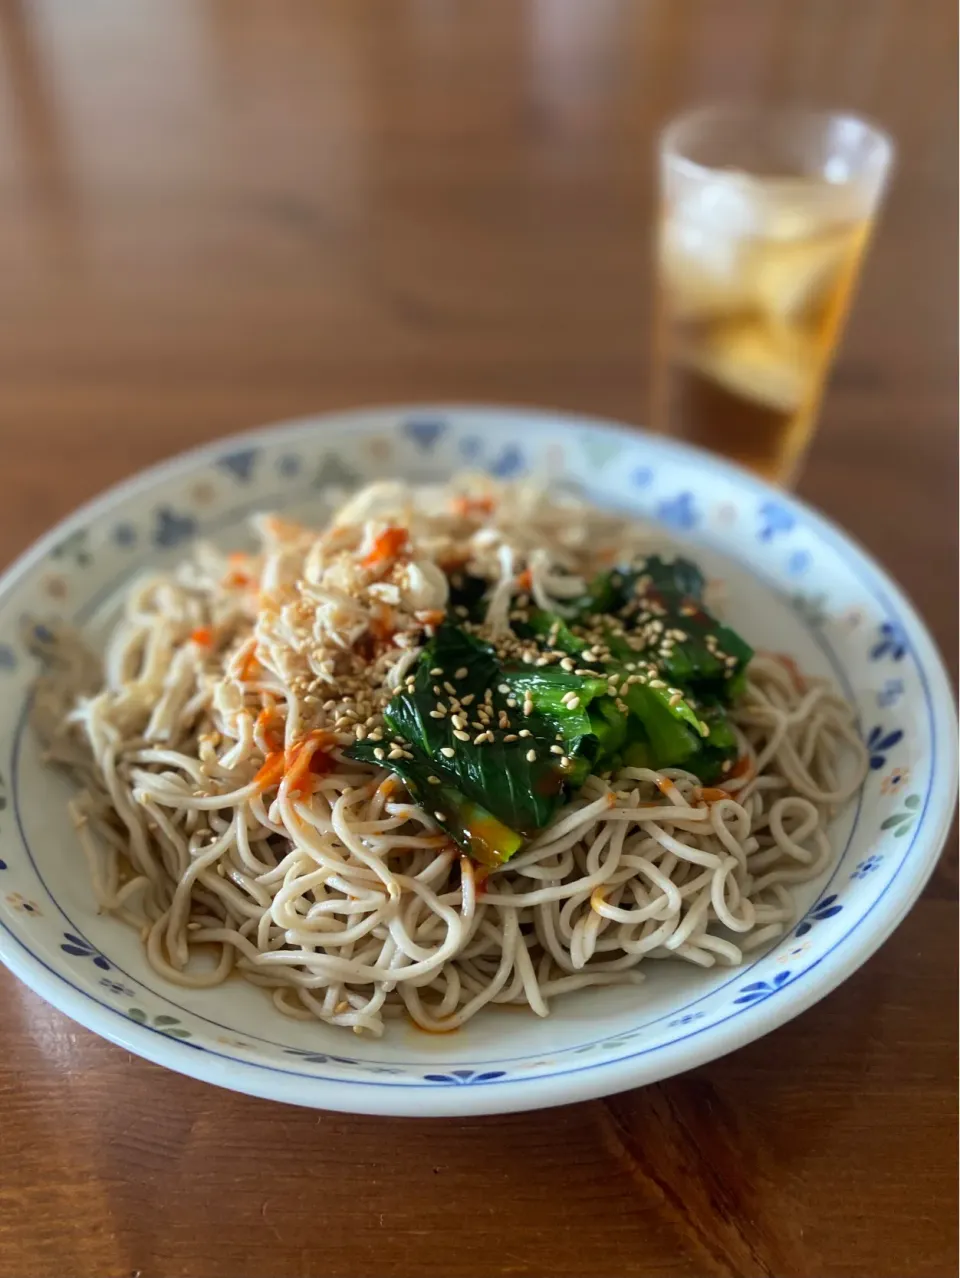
704	273
771	367
793	280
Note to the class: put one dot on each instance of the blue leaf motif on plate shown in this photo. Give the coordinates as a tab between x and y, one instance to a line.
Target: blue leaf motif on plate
824	909
425	432
686	1019
8	658
508	463
758	990
461	1076
891	642
124	534
333	473
172	527
878	744
642	477
775	519
890	693
679	512
115	987
471	447
240	464
289	465
80	948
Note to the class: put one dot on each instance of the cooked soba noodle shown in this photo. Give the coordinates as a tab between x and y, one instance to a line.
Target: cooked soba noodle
346	902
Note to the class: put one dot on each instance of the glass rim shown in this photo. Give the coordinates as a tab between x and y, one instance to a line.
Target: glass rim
673	155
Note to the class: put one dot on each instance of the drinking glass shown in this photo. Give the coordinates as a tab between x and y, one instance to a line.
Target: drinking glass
765	215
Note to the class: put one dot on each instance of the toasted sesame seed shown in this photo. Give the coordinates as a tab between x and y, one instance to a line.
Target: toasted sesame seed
555	749
437	714
437	690
468	699
461	736
675	699
657	683
395	753
448	752
503	687
512	702
436	671
567	664
511	736
573	703
460	673
448	687
564	761
704	729
531	756
525	732
379	753
434	780
439	816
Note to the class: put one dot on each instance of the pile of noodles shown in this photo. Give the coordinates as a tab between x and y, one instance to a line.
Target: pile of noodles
335	891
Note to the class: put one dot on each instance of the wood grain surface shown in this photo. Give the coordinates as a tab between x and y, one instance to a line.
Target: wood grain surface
213	215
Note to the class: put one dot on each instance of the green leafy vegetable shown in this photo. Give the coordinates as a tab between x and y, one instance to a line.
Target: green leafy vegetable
638	673
489	794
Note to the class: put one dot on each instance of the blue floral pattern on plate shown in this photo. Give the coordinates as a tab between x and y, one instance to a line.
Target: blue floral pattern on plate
680	512
891	642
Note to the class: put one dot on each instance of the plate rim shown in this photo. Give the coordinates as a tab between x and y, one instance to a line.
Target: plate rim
561	1088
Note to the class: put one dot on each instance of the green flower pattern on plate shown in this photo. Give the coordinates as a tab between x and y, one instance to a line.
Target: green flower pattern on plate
900	822
165	1024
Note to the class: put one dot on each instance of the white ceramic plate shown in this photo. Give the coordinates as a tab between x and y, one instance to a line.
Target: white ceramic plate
795	584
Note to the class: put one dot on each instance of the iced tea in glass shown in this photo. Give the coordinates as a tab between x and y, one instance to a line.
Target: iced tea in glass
765	216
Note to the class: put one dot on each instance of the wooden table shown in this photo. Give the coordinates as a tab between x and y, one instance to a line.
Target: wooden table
217	214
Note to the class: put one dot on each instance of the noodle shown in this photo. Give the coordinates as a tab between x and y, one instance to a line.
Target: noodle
220	816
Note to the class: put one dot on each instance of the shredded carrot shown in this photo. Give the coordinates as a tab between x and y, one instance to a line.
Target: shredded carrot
453	561
794	671
264	721
430	616
665	785
466	506
249	665
711	794
237	557
386	546
237	580
298	764
382	625
307	758
525	580
741	768
387	786
203	636
271	773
